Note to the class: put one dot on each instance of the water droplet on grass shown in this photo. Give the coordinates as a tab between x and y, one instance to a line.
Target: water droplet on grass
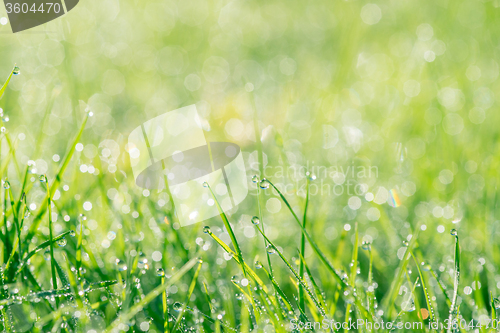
16	71
496	302
177	306
42	178
255	220
258	264
270	249
405	243
255	179
142	259
6	184
264	184
62	242
207	230
72	233
366	246
200	261
121	265
160	272
205	184
311	176
454	232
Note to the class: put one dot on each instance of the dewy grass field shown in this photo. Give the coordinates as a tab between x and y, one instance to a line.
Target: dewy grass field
370	141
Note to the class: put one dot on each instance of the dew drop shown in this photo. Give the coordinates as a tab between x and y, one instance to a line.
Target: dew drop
270	249
255	179
142	259
311	176
496	302
264	184
160	272
207	230
6	184
121	265
200	261
405	243
42	178
62	242
366	246
16	71
258	264
72	233
255	220
454	232
205	184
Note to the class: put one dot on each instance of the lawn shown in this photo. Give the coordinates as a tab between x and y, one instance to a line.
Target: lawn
369	141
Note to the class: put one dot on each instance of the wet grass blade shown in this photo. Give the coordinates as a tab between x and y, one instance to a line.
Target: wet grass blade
456	282
310	240
426	293
188	297
493	308
251	273
299	279
164	305
51	242
2	90
354	269
228	227
388	302
132	311
317	289
55	184
402	310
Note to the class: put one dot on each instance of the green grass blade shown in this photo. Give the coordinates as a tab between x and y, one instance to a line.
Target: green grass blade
354	269
188	297
303	249
2	90
426	293
228	226
456	282
55	184
299	279
493	308
132	311
388	302
316	249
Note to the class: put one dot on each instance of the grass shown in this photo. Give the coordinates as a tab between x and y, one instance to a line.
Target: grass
296	85
130	297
